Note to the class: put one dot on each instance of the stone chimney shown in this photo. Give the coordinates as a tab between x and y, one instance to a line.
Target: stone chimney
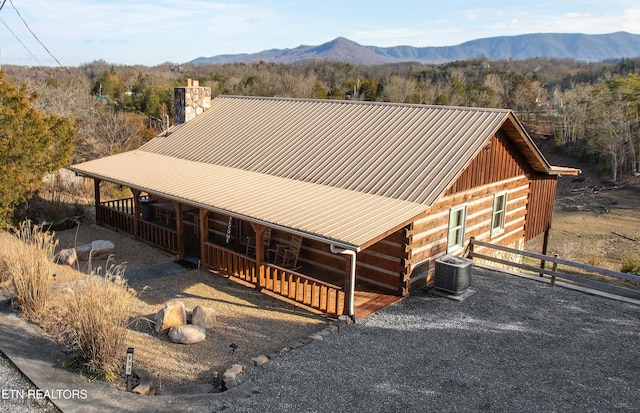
190	101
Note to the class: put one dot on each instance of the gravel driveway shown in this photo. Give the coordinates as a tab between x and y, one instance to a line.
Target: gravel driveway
516	346
13	382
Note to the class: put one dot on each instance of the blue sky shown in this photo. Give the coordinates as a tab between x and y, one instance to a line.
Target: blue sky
152	32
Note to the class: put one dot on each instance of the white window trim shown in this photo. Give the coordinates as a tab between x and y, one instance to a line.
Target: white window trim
460	245
500	228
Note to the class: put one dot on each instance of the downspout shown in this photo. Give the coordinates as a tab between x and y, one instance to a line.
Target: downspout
352	276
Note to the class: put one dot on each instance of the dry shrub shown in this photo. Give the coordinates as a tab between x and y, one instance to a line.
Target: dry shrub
96	315
29	265
631	265
4	271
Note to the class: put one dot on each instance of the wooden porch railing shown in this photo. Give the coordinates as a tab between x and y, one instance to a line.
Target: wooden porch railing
119	214
576	273
125	205
302	289
230	262
115	218
163	237
305	290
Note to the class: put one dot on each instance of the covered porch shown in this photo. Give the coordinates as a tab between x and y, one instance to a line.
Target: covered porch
319	280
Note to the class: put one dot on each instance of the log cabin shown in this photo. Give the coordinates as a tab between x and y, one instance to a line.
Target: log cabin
372	192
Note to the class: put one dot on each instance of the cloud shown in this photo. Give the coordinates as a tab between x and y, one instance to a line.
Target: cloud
470	15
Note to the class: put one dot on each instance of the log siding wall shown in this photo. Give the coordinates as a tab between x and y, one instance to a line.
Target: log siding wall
405	259
542	198
427	236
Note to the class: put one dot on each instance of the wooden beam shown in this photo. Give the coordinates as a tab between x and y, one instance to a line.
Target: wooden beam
260	229
204	234
178	207
137	210
96	190
347	283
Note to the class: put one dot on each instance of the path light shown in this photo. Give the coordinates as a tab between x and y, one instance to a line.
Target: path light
234	347
128	367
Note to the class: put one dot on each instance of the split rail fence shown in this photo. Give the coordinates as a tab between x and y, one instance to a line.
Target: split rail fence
618	283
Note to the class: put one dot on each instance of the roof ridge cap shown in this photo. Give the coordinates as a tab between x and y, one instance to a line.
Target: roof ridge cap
364	102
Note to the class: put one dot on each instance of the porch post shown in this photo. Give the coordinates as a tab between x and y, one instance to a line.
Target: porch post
347	284
349	279
178	206
204	235
260	270
137	210
96	195
96	190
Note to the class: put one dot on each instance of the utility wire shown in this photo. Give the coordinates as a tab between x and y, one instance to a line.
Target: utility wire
54	58
20	41
34	35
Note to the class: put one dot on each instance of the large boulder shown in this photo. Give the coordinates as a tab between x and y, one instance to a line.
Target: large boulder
187	334
97	249
204	317
172	314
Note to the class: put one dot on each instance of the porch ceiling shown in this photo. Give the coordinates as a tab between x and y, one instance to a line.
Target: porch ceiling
346	218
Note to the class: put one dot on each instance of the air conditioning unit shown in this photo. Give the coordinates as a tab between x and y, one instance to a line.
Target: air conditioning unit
453	274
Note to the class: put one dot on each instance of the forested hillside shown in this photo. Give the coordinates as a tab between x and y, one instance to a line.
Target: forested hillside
589	110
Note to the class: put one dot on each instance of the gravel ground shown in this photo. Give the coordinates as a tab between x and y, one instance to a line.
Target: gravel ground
517	345
14	392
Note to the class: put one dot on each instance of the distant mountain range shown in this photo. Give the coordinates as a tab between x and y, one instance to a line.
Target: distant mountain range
583	47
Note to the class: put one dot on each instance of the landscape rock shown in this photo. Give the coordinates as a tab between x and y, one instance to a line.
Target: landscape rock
187	334
68	256
97	249
204	317
260	360
145	386
171	314
232	372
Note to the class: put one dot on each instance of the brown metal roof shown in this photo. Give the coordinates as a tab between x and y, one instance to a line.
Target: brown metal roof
349	219
346	171
408	152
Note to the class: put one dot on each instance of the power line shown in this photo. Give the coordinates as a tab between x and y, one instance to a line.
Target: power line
34	35
18	39
2	5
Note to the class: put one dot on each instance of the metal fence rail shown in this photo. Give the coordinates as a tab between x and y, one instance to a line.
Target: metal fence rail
574	277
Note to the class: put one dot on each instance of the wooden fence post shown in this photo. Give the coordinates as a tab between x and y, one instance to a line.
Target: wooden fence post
545	244
554	268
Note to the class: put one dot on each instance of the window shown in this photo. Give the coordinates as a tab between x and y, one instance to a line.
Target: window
457	218
499	213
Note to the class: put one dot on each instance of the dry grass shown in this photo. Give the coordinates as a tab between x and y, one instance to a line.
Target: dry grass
96	312
29	266
256	323
90	318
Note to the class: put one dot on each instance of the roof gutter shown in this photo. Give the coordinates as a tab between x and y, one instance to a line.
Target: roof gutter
352	276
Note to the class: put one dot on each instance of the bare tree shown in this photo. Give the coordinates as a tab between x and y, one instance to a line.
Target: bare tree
109	132
398	89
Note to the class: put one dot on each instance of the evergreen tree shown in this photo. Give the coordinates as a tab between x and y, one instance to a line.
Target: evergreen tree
32	144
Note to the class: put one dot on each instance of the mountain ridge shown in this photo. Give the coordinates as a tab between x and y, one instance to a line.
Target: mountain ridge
578	46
